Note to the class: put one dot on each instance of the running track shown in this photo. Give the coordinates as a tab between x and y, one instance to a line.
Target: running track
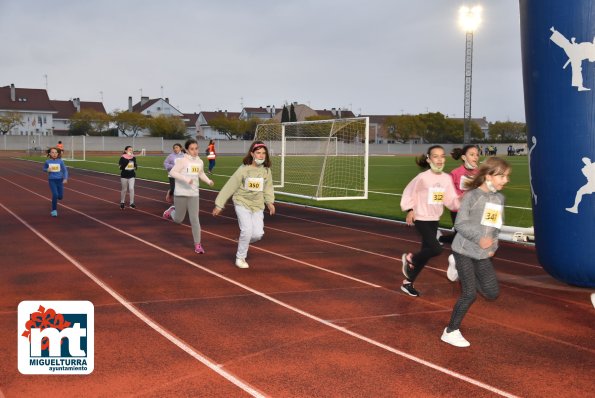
318	314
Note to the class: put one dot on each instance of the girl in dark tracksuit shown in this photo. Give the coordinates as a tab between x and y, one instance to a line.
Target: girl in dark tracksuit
478	224
57	176
128	168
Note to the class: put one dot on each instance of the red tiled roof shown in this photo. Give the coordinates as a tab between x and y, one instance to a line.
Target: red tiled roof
66	108
190	119
213	115
26	99
138	108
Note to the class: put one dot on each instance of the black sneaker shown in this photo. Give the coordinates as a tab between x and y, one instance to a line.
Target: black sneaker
409	289
132	206
122	206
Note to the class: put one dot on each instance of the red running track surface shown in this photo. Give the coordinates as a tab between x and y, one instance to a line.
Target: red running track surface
319	313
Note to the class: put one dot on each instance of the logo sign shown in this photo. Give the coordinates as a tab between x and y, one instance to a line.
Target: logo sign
56	337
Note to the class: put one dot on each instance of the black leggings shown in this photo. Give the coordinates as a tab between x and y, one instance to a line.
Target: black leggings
172	185
429	246
475	276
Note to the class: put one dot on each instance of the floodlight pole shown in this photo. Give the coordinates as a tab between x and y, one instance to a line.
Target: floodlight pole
468	76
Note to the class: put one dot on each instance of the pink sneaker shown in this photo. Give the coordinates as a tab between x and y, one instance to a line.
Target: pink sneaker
167	213
198	248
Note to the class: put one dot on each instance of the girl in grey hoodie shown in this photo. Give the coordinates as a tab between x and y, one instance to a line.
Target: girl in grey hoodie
478	224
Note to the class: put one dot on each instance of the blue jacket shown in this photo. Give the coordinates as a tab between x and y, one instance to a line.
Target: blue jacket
56	169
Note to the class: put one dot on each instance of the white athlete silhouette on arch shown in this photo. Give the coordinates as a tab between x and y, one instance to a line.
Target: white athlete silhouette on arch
576	53
589	188
533	194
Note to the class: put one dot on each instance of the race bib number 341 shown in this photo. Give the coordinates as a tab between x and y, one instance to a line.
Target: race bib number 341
492	215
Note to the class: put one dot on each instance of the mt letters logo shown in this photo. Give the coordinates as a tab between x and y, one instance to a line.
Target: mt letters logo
56	337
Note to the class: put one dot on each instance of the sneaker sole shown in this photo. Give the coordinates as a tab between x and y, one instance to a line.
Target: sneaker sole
445	339
408	292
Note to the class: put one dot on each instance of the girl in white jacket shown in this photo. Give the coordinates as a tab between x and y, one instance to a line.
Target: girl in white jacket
187	171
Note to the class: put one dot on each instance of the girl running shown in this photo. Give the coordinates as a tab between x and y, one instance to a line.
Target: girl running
423	200
469	154
169	163
252	188
187	171
128	168
57	177
478	223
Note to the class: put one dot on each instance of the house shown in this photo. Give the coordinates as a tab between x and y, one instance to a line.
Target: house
205	131
34	106
303	112
258	113
68	108
191	122
152	108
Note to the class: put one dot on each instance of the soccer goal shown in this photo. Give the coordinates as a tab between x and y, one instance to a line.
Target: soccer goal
320	160
75	148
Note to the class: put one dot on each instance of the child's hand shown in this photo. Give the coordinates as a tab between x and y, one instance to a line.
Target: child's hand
65	181
271	208
190	181
211	183
485	242
410	218
217	211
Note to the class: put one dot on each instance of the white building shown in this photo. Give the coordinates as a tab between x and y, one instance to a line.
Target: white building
34	107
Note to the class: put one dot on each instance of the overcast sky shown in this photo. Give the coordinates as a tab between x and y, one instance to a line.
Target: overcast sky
373	56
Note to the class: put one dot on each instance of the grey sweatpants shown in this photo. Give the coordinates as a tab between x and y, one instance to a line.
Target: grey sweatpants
127	184
251	229
188	204
475	276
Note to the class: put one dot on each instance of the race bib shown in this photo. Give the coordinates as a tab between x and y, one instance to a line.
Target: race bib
463	182
255	184
436	196
492	215
54	168
193	170
130	166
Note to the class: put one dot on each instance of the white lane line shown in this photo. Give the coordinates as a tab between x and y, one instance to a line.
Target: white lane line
265	296
139	314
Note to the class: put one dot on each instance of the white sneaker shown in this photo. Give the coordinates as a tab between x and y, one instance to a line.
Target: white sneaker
241	263
454	338
451	273
593	299
167	213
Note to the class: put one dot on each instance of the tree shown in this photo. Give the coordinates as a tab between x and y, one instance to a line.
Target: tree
168	127
232	128
89	122
10	120
130	123
508	132
292	115
284	115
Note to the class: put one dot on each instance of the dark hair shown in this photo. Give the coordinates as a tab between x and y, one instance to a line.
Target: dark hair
458	152
491	166
422	160
126	148
57	150
177	144
189	142
255	146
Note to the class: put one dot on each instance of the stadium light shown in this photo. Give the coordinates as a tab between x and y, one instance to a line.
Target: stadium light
469	20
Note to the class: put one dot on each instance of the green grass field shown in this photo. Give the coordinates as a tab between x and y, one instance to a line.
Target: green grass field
388	177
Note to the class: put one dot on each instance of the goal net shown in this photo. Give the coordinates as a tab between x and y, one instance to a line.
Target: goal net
320	160
75	147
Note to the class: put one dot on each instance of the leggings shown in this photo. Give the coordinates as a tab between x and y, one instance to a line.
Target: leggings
127	184
57	188
172	185
429	246
475	275
188	204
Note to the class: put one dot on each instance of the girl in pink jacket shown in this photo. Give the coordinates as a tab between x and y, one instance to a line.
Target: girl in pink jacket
423	200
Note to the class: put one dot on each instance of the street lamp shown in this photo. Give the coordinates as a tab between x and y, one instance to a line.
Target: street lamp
469	20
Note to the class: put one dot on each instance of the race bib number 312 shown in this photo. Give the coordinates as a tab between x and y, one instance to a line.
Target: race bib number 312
436	196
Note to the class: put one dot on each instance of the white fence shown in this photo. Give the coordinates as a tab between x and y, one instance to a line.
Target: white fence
223	147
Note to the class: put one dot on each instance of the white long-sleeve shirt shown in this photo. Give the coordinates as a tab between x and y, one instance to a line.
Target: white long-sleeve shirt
187	171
